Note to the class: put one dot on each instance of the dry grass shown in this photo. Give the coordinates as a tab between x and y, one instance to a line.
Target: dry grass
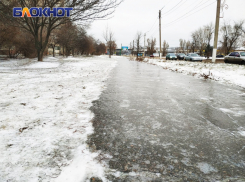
140	59
216	61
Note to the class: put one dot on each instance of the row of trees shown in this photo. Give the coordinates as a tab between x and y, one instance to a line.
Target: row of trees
40	29
75	40
231	36
136	46
71	38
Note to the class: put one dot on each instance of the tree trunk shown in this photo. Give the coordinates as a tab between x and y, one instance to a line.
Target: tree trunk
110	49
53	51
40	55
9	53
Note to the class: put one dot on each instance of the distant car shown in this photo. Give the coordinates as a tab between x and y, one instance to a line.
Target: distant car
235	57
152	56
193	57
181	56
219	56
171	56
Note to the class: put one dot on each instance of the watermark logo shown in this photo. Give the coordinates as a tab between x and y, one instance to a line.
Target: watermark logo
39	12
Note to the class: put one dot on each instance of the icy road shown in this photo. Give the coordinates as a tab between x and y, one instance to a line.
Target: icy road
159	125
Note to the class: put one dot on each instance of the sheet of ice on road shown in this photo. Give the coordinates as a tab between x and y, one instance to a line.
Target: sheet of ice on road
45	118
160	125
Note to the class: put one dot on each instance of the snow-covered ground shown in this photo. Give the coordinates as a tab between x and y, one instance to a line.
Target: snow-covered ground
228	73
45	118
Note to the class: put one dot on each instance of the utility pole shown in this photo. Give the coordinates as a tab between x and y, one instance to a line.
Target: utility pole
216	31
160	33
144	44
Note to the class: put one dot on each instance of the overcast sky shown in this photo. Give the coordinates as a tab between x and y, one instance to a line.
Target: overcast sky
179	19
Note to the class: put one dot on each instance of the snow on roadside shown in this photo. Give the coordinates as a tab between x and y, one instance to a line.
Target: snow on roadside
45	118
229	73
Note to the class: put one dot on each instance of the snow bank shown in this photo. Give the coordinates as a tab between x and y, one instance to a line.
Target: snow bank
45	118
228	73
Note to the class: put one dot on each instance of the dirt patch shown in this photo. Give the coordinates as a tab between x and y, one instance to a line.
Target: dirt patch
217	61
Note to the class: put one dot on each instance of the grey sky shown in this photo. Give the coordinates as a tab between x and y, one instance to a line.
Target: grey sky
142	15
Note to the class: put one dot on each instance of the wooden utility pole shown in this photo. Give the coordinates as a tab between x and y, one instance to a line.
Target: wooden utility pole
160	34
216	31
144	44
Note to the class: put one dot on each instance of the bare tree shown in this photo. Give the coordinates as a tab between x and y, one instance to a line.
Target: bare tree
231	35
201	40
41	27
165	47
109	38
67	37
177	49
138	43
100	48
208	34
188	46
131	46
53	41
151	48
182	44
195	39
17	41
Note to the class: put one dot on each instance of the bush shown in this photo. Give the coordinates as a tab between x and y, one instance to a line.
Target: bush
140	59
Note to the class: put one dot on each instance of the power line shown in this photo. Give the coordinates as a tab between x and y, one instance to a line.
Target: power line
152	25
168	2
173	7
199	4
184	16
155	29
157	17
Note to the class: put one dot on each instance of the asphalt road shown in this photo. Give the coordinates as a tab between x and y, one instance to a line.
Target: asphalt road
160	125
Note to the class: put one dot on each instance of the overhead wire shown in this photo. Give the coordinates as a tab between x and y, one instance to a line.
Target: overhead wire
184	16
180	18
152	25
173	7
198	4
176	8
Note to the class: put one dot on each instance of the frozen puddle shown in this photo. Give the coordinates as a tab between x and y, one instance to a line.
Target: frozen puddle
206	168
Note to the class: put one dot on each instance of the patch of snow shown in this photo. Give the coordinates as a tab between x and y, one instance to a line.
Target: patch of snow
242	133
228	73
206	168
45	118
82	167
41	65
